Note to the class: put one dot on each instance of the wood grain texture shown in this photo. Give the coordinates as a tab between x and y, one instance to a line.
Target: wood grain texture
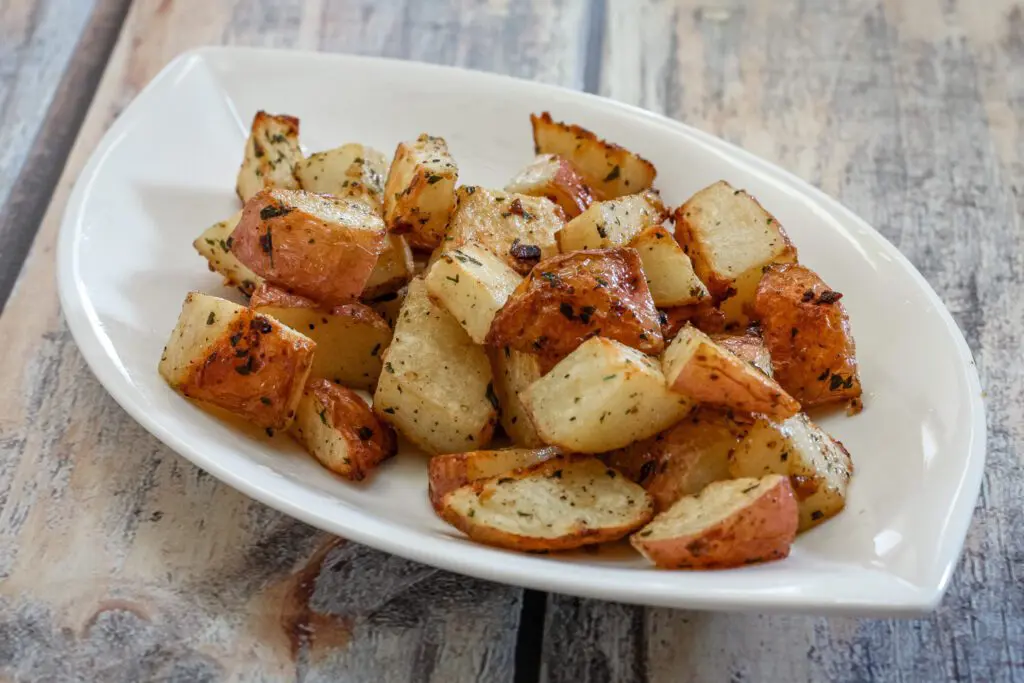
911	113
119	561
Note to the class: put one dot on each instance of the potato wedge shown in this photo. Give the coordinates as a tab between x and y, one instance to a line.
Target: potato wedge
350	339
472	284
515	227
352	171
228	356
450	471
748	346
394	268
807	331
551	176
669	272
731	239
705	316
614	222
610	170
699	368
215	246
569	298
419	194
728	524
336	426
817	465
436	387
560	504
271	154
314	245
602	396
513	372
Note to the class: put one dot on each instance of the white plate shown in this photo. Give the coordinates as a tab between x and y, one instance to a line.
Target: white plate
166	170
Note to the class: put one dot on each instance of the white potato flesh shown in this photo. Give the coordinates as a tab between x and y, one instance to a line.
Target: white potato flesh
668	269
215	246
613	223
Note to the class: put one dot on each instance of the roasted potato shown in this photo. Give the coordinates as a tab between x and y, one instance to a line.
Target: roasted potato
394	268
337	428
472	284
705	316
602	396
699	368
569	298
731	239
215	246
748	346
513	372
614	222
610	170
450	471
516	227
228	356
728	524
314	245
351	171
420	191
350	338
559	504
271	155
551	176
389	305
669	272
807	331
817	465
436	387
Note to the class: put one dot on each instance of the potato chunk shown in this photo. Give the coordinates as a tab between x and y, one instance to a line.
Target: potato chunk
420	191
228	356
731	239
271	154
817	465
807	331
572	297
336	426
610	170
551	176
514	371
515	227
351	171
560	504
394	268
728	524
613	223
669	271
215	246
450	471
436	387
749	347
314	245
472	284
705	316
350	338
699	368
602	396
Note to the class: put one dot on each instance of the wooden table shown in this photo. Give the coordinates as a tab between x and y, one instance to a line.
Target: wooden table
120	561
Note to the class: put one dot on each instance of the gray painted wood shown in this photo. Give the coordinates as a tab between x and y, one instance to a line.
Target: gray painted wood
911	113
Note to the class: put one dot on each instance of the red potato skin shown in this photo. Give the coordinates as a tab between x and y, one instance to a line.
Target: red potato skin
705	316
348	413
271	295
568	189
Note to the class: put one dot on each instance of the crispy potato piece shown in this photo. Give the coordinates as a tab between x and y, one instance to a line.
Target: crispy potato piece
728	524
513	372
517	228
808	334
420	191
705	316
472	284
350	338
602	396
230	357
337	428
560	504
436	387
818	466
394	268
610	170
747	346
731	239
450	471
271	154
699	368
389	305
314	245
669	271
570	297
551	176
351	171
613	223
215	246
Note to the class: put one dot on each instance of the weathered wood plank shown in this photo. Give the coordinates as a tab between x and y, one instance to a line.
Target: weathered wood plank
910	113
119	561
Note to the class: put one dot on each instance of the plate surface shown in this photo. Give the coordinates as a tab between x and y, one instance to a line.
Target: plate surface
166	170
